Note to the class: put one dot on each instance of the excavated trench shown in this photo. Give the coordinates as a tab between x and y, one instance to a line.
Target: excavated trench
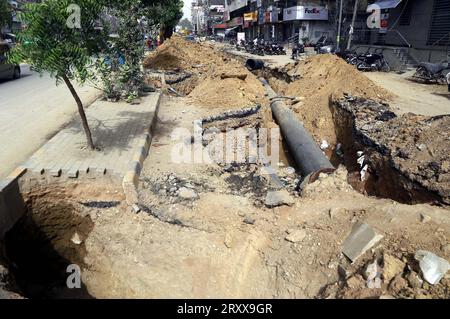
44	242
382	179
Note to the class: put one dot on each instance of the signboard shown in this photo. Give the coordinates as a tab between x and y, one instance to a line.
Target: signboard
305	13
384	22
236	22
226	16
260	16
240	36
274	16
255	16
233	5
248	16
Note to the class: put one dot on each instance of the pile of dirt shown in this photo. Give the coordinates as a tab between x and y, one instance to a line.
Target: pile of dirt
319	77
228	86
216	81
406	154
178	54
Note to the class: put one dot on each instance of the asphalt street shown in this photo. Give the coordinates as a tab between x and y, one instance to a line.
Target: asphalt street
32	110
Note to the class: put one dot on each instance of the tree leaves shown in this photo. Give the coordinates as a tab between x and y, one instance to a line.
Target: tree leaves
48	43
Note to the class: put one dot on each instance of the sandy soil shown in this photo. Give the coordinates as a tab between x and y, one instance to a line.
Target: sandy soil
226	244
423	99
205	231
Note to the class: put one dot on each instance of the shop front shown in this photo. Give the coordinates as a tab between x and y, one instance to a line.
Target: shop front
310	22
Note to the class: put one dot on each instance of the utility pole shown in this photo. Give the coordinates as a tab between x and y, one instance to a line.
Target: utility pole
338	40
350	36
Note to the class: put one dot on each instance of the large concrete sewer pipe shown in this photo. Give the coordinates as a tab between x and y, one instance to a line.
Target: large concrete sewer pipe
310	159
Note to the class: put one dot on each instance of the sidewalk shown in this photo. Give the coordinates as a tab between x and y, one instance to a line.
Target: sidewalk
120	130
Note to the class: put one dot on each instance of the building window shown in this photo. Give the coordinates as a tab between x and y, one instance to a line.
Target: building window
405	18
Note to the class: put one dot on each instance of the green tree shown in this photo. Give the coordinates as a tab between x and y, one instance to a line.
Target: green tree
164	13
5	13
57	42
120	65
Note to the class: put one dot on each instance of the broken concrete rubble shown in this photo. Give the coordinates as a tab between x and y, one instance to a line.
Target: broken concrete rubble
187	193
278	198
296	236
361	238
392	267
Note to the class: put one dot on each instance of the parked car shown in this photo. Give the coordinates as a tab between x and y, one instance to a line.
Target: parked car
7	70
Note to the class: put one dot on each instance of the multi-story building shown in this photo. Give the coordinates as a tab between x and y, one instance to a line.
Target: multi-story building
421	26
279	20
199	11
216	9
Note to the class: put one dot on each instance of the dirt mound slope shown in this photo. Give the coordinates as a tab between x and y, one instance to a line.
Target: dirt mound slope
217	81
319	77
177	53
229	86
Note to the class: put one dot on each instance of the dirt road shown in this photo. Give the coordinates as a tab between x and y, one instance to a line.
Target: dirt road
423	99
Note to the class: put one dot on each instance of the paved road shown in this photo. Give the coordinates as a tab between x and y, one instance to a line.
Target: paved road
32	110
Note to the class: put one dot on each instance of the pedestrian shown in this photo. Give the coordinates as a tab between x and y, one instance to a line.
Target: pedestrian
448	81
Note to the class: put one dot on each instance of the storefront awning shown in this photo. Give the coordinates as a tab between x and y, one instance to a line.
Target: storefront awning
385	4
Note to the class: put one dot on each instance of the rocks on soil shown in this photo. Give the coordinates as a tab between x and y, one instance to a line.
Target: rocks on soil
278	198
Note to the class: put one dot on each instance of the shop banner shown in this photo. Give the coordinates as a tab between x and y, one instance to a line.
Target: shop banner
248	16
305	13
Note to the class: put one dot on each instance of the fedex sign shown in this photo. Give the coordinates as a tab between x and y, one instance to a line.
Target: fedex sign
305	13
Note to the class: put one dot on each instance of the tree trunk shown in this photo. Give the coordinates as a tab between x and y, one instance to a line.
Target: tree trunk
87	131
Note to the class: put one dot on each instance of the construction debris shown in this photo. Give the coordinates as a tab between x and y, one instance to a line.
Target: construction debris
278	198
296	236
361	239
433	267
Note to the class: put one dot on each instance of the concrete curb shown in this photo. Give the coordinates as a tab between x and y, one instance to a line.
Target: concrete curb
131	179
12	206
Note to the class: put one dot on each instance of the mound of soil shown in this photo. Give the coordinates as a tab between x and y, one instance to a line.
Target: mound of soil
319	77
235	88
217	81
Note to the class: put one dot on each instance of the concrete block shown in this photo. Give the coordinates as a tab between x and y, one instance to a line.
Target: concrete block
129	185
73	173
12	205
362	238
135	167
55	172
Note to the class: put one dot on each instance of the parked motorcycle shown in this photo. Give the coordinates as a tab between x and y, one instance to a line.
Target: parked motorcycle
432	72
371	62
